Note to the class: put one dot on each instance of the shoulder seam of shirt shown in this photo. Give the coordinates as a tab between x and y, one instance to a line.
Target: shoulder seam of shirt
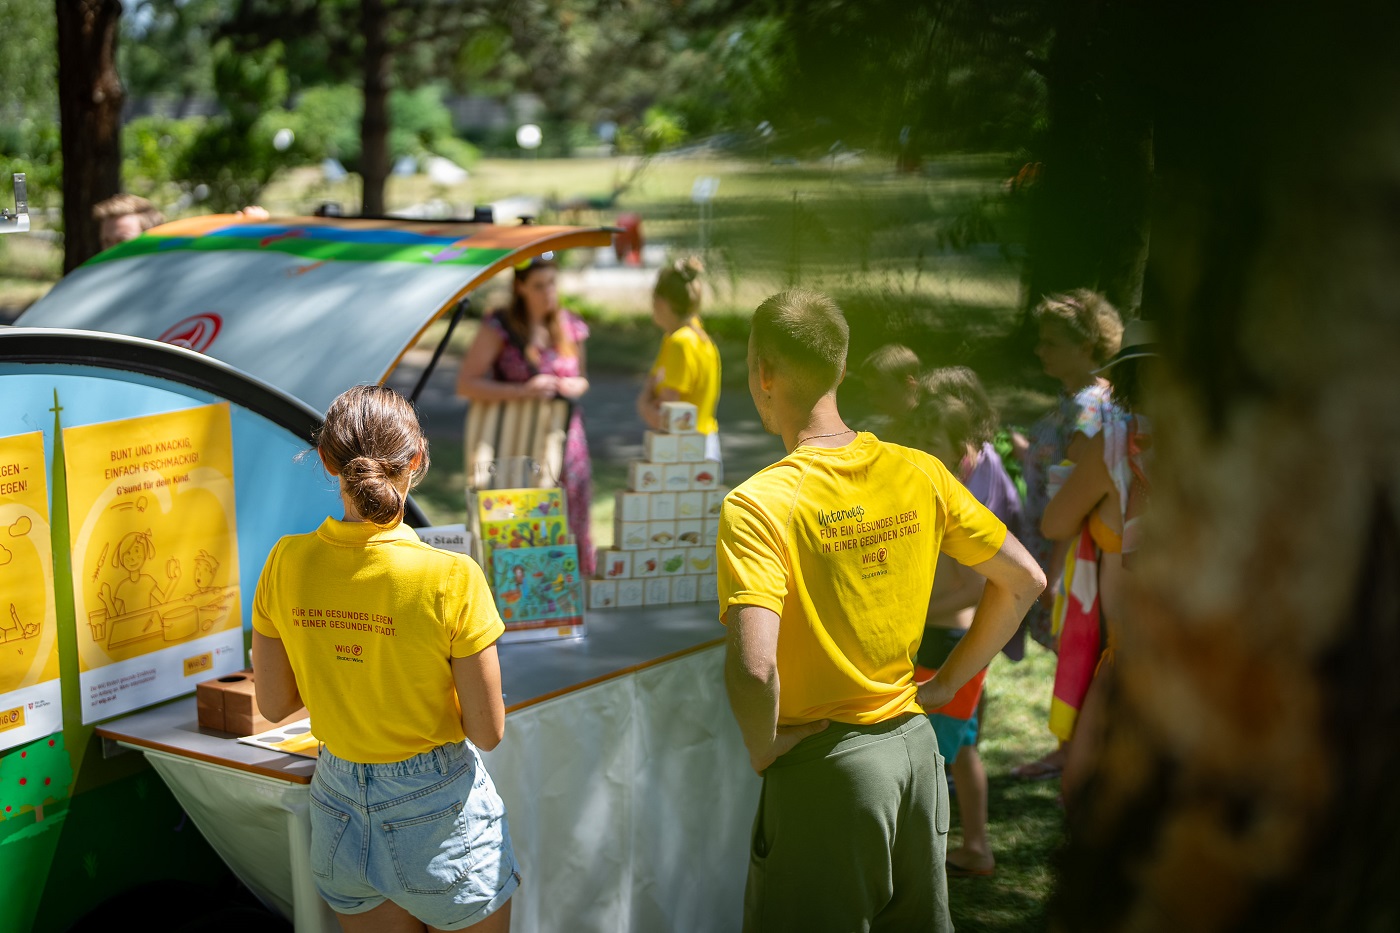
909	460
796	491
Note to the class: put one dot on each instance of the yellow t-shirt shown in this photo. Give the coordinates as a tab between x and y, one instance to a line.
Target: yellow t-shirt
370	618
842	544
689	363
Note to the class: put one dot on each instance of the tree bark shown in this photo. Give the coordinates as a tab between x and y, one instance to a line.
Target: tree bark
374	126
1089	212
90	105
1245	780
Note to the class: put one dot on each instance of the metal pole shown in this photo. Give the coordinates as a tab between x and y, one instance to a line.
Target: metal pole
437	354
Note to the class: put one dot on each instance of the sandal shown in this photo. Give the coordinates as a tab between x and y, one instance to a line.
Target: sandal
1041	769
967	871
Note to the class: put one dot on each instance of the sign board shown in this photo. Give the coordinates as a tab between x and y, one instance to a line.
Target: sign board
30	693
155	556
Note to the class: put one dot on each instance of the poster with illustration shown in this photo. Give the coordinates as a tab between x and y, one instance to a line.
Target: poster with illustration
538	588
522	532
30	694
155	556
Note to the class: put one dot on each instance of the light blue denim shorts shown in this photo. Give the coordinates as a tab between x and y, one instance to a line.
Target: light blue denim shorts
428	833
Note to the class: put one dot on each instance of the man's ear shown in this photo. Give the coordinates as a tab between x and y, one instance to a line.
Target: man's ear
326	463
765	375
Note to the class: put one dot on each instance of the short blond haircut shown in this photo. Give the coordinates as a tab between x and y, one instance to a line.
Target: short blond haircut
1087	316
892	361
120	205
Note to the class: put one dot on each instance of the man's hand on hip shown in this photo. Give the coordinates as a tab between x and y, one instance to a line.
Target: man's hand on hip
783	742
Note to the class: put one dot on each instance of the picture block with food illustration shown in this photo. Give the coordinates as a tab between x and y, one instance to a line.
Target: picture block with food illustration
155	556
665	525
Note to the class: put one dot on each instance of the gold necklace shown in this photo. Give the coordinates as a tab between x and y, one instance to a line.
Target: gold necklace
802	440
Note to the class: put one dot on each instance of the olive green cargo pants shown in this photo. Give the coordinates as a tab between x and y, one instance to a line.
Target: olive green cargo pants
851	834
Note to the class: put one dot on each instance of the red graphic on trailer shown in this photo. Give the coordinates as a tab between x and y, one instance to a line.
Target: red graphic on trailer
196	332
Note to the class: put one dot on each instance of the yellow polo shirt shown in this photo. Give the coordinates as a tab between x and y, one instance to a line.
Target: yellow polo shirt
842	544
689	363
370	619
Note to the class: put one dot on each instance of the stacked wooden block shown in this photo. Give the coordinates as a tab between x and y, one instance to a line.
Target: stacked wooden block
666	523
229	704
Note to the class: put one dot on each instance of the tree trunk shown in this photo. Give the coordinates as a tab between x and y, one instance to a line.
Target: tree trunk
1245	780
90	107
374	127
1089	212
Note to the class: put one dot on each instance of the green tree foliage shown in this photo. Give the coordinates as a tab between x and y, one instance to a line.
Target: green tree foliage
166	46
233	155
380	44
29	140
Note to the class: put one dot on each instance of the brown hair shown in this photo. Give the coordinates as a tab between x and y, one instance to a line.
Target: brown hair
1087	316
892	361
953	399
807	331
517	319
370	439
679	286
120	205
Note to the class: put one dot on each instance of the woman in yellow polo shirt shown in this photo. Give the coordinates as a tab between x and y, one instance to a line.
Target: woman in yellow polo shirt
390	645
687	366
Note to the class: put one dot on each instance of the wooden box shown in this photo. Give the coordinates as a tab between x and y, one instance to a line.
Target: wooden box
228	705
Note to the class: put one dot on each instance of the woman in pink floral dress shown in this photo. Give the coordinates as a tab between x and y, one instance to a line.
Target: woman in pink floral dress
534	349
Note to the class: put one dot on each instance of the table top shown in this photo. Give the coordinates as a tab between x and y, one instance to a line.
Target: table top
618	642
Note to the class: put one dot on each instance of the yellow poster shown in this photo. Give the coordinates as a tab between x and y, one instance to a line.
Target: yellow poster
155	556
30	695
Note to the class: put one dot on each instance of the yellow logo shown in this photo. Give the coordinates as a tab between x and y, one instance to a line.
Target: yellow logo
11	719
199	663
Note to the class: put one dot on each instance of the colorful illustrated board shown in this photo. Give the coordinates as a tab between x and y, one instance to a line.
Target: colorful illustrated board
155	556
295	738
497	505
30	692
538	588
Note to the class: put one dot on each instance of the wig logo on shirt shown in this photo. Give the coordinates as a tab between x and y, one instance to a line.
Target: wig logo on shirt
349	653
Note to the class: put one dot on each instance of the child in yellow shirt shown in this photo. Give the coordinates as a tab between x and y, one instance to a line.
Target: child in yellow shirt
687	366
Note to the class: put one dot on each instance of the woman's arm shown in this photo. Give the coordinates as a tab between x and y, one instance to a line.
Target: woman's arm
572	387
274	683
478	680
474	379
649	402
1081	493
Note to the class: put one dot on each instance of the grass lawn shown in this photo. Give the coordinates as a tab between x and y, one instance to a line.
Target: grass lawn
1026	826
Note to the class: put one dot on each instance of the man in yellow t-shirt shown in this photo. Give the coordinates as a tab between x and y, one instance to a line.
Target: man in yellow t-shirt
826	561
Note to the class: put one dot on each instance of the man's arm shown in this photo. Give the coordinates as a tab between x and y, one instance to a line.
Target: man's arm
1014	580
751	681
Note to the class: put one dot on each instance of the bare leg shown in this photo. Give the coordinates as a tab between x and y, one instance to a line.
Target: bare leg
388	917
499	922
975	853
1083	753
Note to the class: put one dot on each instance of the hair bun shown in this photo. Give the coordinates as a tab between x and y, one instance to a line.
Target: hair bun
690	268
